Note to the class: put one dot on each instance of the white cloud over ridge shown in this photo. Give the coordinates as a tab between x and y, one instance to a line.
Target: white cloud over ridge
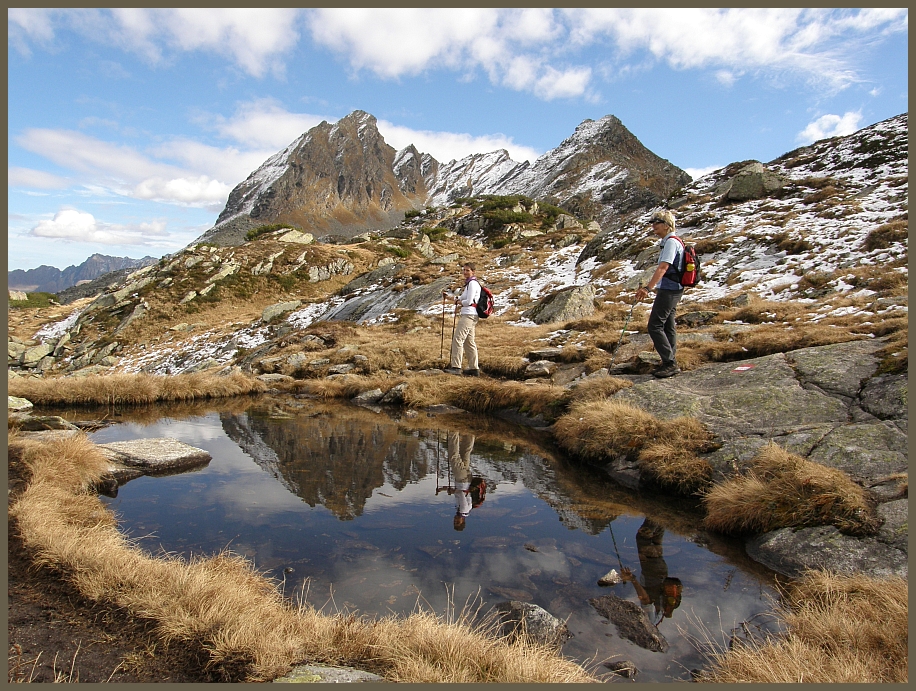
449	146
830	126
79	226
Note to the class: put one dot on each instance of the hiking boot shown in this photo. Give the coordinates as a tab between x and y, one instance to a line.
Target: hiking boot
471	372
452	370
666	371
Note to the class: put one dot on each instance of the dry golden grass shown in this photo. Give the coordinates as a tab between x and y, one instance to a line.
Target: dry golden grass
839	629
225	607
597	389
601	430
785	490
133	389
766	339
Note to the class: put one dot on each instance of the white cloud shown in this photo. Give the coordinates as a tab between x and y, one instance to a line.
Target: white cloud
27	177
522	49
264	123
121	170
465	39
697	173
448	146
562	84
79	226
187	190
255	39
820	44
726	77
830	126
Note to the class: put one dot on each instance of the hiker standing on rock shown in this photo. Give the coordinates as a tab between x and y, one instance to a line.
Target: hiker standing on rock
666	279
463	337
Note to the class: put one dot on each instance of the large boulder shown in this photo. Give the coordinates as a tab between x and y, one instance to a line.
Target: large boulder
754	181
567	304
792	551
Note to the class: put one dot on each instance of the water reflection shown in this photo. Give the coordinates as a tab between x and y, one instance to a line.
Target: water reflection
362	508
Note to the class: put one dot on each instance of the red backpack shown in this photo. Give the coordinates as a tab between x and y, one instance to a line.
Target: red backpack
485	304
690	276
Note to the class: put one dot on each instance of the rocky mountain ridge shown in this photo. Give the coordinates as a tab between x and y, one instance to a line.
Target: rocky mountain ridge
49	279
830	236
344	179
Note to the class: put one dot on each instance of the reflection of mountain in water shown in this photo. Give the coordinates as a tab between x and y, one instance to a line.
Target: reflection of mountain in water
338	460
335	461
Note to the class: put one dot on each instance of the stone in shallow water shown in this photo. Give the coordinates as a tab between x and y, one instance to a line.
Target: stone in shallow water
156	454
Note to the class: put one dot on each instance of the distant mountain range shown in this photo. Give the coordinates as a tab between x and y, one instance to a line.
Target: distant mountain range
49	279
344	179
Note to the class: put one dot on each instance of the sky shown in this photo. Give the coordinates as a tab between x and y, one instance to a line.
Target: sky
128	128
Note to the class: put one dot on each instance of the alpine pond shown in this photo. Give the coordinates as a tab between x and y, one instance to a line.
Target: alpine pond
358	509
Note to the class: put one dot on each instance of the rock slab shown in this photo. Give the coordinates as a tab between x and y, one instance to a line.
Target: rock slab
155	455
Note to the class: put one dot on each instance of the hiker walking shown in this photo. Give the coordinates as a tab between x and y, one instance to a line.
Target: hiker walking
468	491
658	591
463	337
666	279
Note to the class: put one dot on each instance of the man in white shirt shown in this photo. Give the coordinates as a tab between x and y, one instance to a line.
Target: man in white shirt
463	340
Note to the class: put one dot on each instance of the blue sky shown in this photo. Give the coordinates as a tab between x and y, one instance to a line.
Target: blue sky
129	128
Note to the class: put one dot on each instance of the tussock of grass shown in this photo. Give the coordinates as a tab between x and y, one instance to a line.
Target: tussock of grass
785	490
505	366
671	464
133	389
223	606
484	395
840	629
345	387
598	389
666	449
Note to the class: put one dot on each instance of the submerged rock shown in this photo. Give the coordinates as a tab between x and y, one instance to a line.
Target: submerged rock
631	621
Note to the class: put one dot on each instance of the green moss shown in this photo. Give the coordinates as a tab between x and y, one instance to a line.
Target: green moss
34	300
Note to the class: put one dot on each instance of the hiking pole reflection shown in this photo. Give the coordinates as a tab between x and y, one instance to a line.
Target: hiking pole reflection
469	490
657	589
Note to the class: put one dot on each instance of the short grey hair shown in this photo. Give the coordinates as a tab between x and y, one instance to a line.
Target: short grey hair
665	217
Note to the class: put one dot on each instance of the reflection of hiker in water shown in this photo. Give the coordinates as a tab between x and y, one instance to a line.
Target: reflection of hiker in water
469	491
657	588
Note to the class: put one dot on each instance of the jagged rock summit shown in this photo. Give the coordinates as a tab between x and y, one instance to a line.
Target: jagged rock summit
333	179
344	179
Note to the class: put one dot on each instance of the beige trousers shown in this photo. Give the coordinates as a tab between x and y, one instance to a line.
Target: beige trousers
463	340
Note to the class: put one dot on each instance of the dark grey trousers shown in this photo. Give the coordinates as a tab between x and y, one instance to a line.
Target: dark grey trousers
661	324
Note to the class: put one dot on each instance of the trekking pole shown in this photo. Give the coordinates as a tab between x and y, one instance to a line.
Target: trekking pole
622	332
454	321
442	330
